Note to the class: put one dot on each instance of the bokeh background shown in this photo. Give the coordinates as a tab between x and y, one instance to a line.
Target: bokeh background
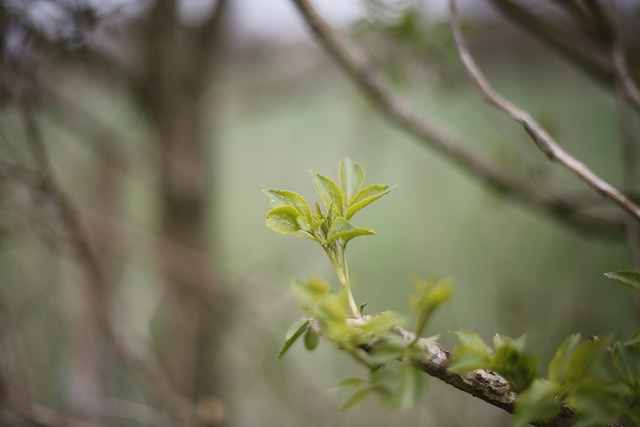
163	124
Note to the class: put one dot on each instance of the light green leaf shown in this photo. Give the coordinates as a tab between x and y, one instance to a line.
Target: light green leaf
383	322
518	368
472	354
355	399
342	229
351	178
634	339
537	403
289	198
366	196
410	381
347	383
582	361
559	363
293	333
284	219
311	339
596	404
329	192
626	277
626	359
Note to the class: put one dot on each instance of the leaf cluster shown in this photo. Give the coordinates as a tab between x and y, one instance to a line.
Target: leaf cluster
599	381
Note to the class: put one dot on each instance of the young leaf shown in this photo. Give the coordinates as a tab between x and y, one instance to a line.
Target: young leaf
626	277
351	178
410	381
284	219
627	361
289	198
560	361
329	192
365	197
518	368
311	339
348	382
293	333
472	354
582	361
342	229
596	404
537	403
355	399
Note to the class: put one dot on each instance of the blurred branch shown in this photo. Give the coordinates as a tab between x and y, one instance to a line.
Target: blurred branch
540	137
142	362
431	135
43	416
623	74
485	385
575	50
627	92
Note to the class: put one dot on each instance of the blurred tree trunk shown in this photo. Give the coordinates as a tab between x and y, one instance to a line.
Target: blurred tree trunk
178	63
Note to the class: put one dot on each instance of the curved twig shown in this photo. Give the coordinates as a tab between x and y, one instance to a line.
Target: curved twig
435	136
540	137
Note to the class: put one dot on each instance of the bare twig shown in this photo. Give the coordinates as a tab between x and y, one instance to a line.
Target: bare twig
622	72
540	137
443	140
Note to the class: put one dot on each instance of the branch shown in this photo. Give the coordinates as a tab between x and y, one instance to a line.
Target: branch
436	137
485	385
597	67
540	137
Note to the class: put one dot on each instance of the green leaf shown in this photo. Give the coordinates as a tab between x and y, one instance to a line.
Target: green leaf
289	198
626	359
287	220
381	323
311	339
583	360
329	192
365	197
384	353
355	399
293	333
559	362
472	354
342	229
537	403
351	178
596	404
410	381
347	383
518	368
626	277
634	339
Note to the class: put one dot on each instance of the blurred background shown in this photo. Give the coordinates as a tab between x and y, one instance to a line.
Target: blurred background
135	140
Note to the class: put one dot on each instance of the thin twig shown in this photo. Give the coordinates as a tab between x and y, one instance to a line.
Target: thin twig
623	74
540	137
434	136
